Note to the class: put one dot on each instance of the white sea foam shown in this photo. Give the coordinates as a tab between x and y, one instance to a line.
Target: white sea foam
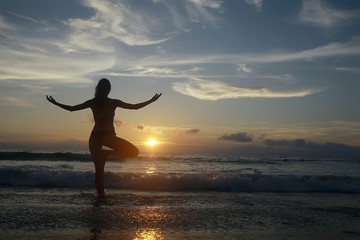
255	182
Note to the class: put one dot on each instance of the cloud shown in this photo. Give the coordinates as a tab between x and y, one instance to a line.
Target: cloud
350	48
5	25
317	13
49	65
140	126
347	69
119	123
193	131
87	45
15	101
40	59
207	3
144	70
255	3
302	143
242	60
198	11
214	90
92	47
243	68
237	137
25	17
7	29
135	26
117	20
285	78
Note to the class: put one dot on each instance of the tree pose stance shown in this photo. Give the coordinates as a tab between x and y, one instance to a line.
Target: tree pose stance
103	133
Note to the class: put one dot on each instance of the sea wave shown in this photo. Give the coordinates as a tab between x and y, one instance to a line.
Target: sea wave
256	182
46	156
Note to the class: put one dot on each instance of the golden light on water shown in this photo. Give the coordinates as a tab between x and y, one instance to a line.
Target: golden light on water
150	170
150	219
149	234
152	142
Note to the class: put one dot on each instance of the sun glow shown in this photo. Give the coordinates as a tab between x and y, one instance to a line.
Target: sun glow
152	142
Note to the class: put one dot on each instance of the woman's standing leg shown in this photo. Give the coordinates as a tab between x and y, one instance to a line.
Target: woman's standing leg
99	162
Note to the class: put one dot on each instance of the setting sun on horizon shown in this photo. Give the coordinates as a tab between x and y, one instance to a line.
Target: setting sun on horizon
152	142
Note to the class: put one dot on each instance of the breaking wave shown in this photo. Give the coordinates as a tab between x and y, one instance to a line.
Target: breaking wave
256	182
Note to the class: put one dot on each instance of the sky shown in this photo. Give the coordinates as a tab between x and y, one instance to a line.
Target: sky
246	77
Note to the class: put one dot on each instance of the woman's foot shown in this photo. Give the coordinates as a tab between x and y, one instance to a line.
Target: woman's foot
101	194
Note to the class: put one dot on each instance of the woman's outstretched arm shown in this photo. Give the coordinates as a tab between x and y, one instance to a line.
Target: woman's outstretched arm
67	107
137	105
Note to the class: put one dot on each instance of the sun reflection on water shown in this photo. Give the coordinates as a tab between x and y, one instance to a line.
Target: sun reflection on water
150	170
150	220
149	234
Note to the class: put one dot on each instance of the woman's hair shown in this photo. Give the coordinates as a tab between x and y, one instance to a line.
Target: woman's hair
102	90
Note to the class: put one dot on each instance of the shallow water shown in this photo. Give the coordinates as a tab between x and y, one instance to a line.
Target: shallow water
66	213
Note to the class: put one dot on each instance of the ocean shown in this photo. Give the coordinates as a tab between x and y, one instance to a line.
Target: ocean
51	195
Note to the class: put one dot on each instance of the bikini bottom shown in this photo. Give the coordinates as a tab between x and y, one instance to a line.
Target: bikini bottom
100	135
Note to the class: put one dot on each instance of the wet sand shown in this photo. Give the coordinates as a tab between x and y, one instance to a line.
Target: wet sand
42	213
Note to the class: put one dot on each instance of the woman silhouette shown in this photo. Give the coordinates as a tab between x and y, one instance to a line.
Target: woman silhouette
103	133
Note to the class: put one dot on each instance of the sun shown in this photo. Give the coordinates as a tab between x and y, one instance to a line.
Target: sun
152	142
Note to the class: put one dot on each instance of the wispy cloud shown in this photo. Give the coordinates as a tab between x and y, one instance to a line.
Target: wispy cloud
349	48
150	70
15	101
214	90
198	11
7	29
136	26
28	57
348	69
5	25
115	20
208	3
243	68
32	65
43	25
317	13
25	17
256	3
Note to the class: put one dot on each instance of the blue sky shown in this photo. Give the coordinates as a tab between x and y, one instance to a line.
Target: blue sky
251	69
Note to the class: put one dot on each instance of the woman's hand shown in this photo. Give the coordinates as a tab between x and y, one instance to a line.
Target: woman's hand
51	99
155	97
